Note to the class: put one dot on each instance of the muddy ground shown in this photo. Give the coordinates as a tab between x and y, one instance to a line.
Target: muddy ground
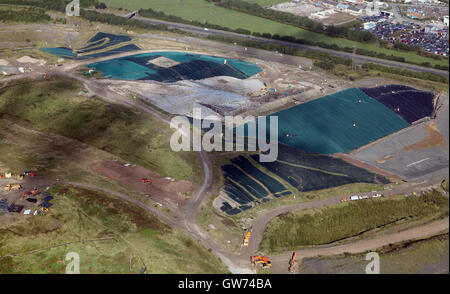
161	189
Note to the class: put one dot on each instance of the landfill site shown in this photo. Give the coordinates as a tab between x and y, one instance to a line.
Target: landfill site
340	142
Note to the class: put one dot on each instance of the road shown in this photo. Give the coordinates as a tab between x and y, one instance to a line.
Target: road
358	59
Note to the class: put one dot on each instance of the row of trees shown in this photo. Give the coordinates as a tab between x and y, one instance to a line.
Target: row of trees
118	20
407	73
27	15
289	50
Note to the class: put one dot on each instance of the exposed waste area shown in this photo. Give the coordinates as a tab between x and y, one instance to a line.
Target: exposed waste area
21	194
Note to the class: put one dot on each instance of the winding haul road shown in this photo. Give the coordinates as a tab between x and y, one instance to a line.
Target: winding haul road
188	220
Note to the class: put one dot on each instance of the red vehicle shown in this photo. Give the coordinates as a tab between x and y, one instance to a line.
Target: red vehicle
146	181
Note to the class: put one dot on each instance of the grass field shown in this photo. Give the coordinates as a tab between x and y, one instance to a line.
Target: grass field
429	256
315	227
110	236
203	11
54	106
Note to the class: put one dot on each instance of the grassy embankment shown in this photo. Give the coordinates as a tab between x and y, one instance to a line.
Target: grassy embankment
54	106
110	236
315	227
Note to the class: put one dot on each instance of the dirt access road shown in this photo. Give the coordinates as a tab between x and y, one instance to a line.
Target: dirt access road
236	262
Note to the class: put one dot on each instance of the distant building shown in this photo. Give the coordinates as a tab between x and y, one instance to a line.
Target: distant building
369	25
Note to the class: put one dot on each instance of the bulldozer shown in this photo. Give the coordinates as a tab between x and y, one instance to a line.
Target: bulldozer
12	187
292	263
263	260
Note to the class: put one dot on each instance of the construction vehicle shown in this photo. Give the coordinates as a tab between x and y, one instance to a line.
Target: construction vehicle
262	260
29	173
344	200
354	197
32	192
146	181
246	239
292	263
12	187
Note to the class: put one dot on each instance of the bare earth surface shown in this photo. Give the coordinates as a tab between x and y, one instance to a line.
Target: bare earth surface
161	189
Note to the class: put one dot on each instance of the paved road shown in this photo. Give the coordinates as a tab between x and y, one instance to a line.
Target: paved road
358	59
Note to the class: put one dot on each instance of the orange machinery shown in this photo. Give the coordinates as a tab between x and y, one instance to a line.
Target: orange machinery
263	260
292	263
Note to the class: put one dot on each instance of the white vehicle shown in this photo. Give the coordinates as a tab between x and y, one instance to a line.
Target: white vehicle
354	197
377	195
363	197
206	29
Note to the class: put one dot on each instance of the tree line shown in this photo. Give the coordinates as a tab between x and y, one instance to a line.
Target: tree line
31	14
407	73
